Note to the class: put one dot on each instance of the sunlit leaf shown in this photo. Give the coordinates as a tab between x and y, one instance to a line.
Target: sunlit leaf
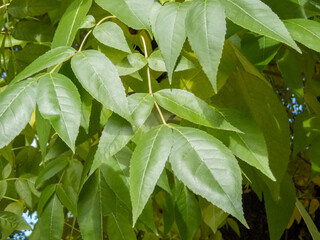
207	168
185	105
100	78
70	23
259	18
206	28
148	161
17	103
110	34
170	32
59	102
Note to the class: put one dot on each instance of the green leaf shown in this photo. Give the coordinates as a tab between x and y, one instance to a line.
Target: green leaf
206	29
70	23
259	50
308	220
279	211
256	96
51	169
45	196
47	60
156	63
100	78
110	34
116	179
250	145
68	189
314	154
147	163
52	220
289	66
95	201
88	22
119	226
208	168
115	136
24	192
305	31
59	102
170	33
131	64
68	200
3	188
140	105
185	105
10	222
259	18
43	131
195	81
34	31
24	8
17	102
212	215
153	14
132	13
188	214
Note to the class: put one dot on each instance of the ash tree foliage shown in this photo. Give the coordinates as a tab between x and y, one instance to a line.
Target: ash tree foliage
145	119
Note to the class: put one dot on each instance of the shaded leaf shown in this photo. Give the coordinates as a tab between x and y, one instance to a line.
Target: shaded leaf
212	215
43	131
308	220
96	200
188	214
156	63
3	188
52	220
33	31
314	154
51	169
115	136
24	192
250	146
45	196
24	8
10	222
140	105
119	226
279	211
288	65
